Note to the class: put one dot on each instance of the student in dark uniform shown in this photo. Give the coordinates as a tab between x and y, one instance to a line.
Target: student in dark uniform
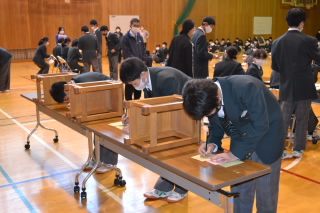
181	49
255	68
57	50
5	64
41	55
132	45
88	43
74	56
228	66
58	94
155	82
243	108
292	55
98	34
201	54
65	48
113	43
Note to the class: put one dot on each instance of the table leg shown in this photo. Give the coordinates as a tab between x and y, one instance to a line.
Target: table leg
56	139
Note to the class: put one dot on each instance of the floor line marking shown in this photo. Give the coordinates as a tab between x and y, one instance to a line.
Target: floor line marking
40	178
71	164
17	190
300	176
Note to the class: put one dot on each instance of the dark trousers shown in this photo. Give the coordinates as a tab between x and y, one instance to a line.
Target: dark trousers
129	90
107	156
265	189
312	122
88	62
301	110
5	75
44	67
100	63
113	65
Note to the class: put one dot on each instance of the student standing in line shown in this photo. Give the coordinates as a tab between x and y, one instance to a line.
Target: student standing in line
181	50
5	69
98	34
113	43
132	45
88	43
201	54
292	55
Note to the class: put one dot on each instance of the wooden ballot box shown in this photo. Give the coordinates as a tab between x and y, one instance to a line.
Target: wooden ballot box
44	82
160	123
95	100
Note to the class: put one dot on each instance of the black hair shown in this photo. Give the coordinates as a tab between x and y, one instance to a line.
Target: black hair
60	28
117	27
131	69
187	26
93	22
209	20
295	16
85	28
232	52
260	54
200	97
66	40
165	43
57	91
60	40
158	45
75	42
44	39
134	20
104	28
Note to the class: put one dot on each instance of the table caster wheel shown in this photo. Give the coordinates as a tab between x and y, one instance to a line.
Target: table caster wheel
76	189
56	139
27	146
83	195
122	183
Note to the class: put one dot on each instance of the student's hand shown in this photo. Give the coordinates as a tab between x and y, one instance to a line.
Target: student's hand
113	51
223	158
125	119
202	149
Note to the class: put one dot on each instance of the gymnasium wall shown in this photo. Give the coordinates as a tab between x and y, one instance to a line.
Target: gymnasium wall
24	22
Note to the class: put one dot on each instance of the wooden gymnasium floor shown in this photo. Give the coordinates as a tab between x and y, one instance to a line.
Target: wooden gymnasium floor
41	179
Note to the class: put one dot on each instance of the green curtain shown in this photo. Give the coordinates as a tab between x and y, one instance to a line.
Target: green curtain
184	15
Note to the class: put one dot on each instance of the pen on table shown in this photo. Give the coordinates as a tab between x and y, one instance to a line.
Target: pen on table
207	141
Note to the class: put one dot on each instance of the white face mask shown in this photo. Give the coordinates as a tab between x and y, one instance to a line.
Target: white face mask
157	48
208	29
260	62
135	30
142	85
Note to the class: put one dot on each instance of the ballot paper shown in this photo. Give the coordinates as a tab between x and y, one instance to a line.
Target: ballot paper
207	158
120	125
201	157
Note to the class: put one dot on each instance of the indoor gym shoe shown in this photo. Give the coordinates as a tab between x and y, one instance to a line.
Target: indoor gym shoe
286	155
309	138
176	197
156	194
297	154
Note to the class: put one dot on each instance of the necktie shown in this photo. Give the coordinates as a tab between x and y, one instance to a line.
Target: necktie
149	92
227	125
